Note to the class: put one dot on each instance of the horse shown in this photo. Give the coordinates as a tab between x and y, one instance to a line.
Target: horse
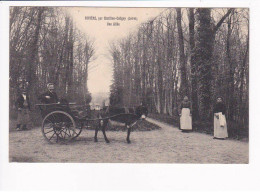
126	116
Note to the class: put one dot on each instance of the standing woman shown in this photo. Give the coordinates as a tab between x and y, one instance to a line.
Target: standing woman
185	111
220	123
23	107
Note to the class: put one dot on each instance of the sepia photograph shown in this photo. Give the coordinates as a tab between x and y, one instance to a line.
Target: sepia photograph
129	84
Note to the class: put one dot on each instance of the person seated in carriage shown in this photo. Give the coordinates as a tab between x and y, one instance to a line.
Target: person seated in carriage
50	96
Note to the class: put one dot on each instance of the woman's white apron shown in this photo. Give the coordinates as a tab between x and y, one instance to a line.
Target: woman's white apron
186	119
220	126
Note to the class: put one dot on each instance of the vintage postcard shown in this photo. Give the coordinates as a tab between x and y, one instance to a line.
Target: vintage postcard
128	84
138	95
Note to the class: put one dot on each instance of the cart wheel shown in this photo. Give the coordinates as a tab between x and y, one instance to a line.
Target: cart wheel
78	130
58	127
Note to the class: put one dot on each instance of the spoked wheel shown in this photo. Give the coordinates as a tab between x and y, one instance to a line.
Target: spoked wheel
78	130
58	127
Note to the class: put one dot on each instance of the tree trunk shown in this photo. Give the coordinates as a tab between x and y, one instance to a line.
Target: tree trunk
204	52
203	55
183	70
31	67
194	94
231	74
143	79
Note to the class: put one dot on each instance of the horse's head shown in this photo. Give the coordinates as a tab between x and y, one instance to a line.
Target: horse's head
141	111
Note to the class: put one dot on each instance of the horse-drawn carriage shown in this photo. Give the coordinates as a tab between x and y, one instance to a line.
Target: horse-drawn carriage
63	122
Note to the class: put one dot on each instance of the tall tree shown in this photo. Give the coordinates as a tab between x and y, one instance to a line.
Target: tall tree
184	82
206	37
31	66
194	95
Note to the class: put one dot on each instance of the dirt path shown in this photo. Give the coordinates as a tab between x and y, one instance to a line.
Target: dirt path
167	145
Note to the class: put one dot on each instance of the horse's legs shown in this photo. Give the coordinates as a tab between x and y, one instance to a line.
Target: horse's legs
96	132
104	133
128	133
103	128
96	129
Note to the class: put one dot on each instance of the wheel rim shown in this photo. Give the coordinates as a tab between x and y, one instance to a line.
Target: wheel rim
78	130
58	127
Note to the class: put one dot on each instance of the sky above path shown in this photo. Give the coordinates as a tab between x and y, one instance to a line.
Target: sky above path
86	20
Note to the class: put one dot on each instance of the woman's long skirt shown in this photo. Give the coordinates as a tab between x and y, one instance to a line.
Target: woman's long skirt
23	117
220	126
185	120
